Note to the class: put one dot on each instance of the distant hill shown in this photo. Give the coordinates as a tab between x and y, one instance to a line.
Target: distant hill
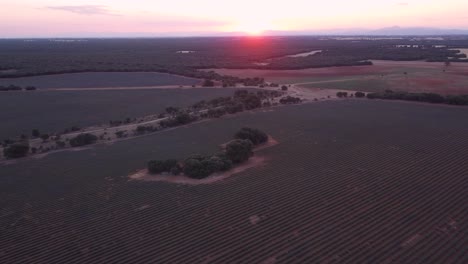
416	31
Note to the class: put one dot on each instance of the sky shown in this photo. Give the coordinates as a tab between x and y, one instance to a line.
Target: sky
78	18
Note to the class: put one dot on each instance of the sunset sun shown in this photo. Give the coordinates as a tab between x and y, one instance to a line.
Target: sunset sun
253	27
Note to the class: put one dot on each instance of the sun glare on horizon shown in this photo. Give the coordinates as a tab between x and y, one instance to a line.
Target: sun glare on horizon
253	27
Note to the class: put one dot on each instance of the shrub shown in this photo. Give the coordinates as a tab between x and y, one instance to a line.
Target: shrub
208	83
239	150
120	134
15	151
342	94
254	135
83	139
360	94
160	166
290	100
35	133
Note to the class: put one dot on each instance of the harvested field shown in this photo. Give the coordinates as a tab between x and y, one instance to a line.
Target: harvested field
353	181
100	79
413	76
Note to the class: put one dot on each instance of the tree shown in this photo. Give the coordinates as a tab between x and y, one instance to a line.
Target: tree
284	88
15	151
82	140
254	135
208	83
172	110
35	133
45	137
195	169
239	150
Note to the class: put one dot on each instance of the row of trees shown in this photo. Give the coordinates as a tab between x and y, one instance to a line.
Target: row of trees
16	88
420	97
198	166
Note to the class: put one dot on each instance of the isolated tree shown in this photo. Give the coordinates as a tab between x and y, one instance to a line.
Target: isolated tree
284	88
35	133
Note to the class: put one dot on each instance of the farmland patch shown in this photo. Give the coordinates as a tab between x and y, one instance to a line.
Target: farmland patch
100	80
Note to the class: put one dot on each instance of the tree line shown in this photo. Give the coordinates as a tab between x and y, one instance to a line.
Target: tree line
237	151
421	97
16	88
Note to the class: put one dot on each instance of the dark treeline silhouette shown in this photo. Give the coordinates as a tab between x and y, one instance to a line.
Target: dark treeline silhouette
160	55
421	97
17	88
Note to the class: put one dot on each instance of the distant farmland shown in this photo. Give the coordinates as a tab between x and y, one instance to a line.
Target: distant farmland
100	80
55	111
395	75
349	182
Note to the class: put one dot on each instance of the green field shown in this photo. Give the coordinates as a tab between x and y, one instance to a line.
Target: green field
352	181
100	80
55	111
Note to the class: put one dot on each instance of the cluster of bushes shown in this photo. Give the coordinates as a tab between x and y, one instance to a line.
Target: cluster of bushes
178	120
83	139
457	99
127	120
359	94
241	101
16	88
342	94
254	135
15	151
145	129
160	166
290	100
71	129
420	97
198	167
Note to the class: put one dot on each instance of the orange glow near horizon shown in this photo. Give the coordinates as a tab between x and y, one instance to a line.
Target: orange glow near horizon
186	17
